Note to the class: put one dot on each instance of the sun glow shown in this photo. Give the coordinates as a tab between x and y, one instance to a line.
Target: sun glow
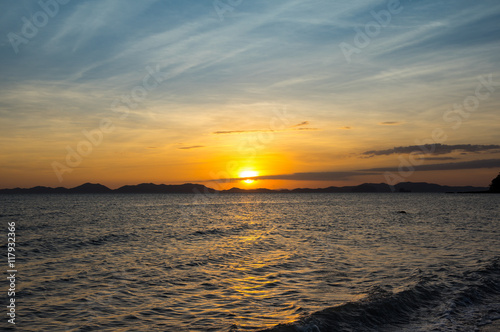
247	175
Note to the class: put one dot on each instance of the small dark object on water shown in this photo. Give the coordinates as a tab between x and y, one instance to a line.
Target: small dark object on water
402	211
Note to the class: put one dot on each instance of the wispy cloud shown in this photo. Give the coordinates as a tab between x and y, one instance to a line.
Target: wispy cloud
191	147
474	164
314	176
225	132
304	129
435	149
298	126
390	123
440	158
306	176
303	123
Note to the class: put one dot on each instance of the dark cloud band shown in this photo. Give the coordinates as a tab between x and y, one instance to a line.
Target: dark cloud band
436	149
474	164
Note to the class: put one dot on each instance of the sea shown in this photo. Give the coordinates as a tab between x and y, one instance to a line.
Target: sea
253	262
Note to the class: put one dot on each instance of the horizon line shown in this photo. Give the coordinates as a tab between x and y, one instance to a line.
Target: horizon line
246	189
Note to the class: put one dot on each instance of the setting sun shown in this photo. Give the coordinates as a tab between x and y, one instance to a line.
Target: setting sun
247	176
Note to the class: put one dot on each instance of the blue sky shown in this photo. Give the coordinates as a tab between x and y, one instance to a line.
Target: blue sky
231	73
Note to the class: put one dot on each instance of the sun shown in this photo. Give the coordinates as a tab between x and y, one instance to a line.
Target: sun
247	175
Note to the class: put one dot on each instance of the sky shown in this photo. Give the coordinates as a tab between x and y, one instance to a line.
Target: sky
289	93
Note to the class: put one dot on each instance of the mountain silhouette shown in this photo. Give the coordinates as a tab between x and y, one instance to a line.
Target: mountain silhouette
191	188
151	188
91	188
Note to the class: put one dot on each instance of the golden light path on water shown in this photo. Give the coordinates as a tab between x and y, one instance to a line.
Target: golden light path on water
253	283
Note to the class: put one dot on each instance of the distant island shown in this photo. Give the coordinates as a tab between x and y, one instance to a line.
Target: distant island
190	188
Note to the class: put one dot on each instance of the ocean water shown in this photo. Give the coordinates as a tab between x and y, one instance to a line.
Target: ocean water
248	262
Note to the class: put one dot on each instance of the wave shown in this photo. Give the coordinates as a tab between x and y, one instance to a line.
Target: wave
42	246
101	240
438	304
215	231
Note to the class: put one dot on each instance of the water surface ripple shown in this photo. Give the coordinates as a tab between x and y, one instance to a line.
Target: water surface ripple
247	262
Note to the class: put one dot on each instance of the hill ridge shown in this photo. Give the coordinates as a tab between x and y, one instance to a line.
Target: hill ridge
192	188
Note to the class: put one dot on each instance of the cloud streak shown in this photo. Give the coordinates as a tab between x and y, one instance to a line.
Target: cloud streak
298	126
314	176
303	123
390	123
228	132
474	164
306	176
434	149
191	147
